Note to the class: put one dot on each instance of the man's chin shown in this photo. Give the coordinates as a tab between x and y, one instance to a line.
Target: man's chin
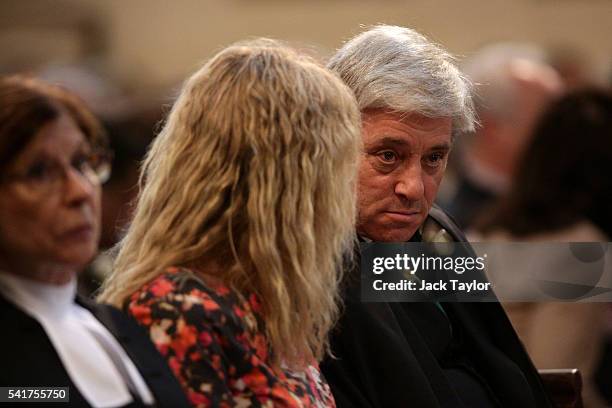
391	235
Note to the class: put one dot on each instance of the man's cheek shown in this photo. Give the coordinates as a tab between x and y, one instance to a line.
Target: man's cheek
368	191
431	188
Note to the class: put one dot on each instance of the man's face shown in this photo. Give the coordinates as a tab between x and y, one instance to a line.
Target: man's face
401	168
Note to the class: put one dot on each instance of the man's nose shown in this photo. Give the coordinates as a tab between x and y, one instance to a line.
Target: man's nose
410	183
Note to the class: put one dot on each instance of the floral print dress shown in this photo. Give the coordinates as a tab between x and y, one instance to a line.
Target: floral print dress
209	335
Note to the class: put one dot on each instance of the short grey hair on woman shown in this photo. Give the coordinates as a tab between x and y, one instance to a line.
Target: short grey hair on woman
396	68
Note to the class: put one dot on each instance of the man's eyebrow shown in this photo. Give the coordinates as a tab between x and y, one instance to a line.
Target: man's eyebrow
396	141
441	147
390	141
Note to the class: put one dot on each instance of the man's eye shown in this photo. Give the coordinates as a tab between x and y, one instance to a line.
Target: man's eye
387	156
435	159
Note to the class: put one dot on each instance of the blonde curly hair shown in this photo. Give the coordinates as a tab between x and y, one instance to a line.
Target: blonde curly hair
252	181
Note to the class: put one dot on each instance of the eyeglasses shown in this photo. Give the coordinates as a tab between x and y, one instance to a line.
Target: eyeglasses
49	175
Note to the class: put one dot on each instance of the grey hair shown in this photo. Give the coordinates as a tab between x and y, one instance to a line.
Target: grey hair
490	71
397	68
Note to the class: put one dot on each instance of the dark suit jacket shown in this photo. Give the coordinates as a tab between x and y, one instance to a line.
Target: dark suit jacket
28	358
392	354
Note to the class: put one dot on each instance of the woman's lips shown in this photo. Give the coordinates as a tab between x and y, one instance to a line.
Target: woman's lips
81	233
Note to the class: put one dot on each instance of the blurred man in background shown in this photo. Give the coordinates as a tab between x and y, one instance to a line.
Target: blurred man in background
513	85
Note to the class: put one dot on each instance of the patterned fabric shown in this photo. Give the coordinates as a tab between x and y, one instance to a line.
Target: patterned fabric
209	335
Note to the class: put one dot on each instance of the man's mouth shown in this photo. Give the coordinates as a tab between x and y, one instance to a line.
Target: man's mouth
403	216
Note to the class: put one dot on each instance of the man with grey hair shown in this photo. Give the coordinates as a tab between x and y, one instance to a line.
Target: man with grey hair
413	101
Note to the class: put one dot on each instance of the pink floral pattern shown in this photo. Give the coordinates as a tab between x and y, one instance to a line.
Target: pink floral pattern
211	339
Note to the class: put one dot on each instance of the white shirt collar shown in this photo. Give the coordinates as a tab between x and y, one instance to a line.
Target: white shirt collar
38	298
72	330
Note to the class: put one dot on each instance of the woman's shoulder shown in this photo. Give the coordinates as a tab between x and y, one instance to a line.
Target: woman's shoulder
180	280
183	292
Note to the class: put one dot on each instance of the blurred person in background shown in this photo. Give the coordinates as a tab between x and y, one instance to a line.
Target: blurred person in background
556	195
247	207
513	84
53	159
573	66
413	100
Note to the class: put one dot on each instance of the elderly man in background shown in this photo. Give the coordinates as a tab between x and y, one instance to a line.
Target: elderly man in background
413	101
514	84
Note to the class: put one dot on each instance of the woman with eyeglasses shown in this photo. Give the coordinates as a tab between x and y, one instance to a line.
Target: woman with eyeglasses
53	160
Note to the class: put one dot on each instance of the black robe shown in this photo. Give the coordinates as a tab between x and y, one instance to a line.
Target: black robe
421	355
28	358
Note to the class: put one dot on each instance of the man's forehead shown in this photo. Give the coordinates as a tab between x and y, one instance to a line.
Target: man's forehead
389	127
414	119
399	143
